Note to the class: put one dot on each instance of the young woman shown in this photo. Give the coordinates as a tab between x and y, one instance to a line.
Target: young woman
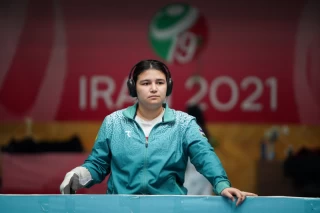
146	146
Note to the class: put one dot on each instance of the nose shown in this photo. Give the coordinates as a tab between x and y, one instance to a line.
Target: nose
154	87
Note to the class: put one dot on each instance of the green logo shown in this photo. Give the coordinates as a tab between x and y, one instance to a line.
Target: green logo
178	33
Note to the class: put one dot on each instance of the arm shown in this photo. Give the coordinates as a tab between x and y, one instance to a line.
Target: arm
204	158
98	162
95	167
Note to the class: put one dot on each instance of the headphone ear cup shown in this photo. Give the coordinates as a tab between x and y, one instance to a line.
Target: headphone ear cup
132	88
169	87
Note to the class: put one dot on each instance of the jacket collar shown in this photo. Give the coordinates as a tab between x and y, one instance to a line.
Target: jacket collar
131	111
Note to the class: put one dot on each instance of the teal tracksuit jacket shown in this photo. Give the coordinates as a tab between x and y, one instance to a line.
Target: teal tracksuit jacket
155	166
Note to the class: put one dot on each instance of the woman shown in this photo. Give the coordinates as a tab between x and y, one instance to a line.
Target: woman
147	145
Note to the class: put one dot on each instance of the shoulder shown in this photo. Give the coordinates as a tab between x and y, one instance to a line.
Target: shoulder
114	116
182	117
183	121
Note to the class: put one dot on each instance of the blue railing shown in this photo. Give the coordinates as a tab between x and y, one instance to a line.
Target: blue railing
153	204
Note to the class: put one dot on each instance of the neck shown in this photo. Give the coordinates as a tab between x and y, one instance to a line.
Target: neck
148	114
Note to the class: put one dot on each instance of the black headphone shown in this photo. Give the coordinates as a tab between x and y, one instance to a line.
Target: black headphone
132	85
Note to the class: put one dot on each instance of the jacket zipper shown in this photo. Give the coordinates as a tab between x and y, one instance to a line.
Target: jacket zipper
146	159
145	167
144	183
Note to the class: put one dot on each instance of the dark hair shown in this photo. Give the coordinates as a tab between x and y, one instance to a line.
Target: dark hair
143	66
148	64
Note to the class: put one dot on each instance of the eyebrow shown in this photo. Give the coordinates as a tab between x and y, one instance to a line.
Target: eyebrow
158	79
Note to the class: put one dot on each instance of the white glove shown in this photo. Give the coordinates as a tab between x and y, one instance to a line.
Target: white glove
74	180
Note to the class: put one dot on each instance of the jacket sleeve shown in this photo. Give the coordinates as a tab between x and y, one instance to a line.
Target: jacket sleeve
98	162
204	158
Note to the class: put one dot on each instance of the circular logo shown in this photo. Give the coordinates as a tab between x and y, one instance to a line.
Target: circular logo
178	33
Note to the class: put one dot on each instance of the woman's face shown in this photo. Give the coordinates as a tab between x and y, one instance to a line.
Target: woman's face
151	88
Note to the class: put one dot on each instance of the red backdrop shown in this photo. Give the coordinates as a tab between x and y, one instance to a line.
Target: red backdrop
70	60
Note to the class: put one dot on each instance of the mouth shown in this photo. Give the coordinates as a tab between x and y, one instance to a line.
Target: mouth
154	96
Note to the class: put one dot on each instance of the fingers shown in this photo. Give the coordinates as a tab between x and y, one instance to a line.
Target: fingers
230	192
65	188
74	183
227	194
230	196
249	194
243	196
240	197
66	184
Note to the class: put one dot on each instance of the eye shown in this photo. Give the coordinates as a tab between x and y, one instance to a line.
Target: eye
145	83
160	82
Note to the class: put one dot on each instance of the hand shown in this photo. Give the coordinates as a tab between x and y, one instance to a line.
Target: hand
230	192
75	180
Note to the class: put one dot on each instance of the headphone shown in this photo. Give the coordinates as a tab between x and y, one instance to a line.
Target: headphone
132	85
